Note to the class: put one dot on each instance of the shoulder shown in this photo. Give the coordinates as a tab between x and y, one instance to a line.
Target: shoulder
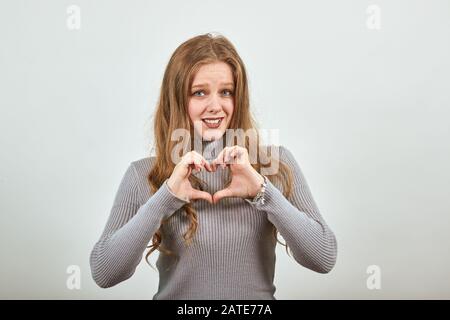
138	171
280	152
287	155
143	165
281	163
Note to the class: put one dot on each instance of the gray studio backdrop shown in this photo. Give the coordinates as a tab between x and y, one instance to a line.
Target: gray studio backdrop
358	89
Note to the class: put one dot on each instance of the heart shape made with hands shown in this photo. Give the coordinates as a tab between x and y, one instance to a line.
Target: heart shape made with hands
245	180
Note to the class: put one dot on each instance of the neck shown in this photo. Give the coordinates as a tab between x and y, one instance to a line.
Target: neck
210	148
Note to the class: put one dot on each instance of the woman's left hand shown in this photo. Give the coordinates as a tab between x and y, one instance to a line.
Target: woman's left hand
245	180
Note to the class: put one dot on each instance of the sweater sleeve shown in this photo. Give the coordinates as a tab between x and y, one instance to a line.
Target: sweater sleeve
129	229
299	221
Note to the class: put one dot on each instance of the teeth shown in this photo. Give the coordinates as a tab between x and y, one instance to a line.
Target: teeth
212	121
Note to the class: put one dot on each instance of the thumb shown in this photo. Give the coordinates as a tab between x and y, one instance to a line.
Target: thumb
224	193
197	194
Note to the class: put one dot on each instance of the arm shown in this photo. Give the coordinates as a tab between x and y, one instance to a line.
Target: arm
299	221
129	229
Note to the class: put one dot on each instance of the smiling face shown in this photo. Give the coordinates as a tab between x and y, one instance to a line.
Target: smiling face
211	100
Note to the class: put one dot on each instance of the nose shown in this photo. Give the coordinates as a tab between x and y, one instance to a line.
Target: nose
214	104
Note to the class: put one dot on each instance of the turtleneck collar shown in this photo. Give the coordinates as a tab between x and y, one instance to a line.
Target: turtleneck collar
211	148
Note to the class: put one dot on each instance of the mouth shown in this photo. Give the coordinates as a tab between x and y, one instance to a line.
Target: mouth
213	122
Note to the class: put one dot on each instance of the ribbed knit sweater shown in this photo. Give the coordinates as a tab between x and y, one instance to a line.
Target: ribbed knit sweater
232	255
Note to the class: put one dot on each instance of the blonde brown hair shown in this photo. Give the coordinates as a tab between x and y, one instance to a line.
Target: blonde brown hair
172	113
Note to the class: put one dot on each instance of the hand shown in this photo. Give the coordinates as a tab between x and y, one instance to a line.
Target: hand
245	182
179	183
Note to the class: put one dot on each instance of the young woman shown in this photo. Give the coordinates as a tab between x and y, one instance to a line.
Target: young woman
213	213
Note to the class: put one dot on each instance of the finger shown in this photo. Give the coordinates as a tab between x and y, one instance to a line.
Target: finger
202	161
184	161
238	155
199	161
214	165
197	194
219	159
183	166
193	161
227	156
188	159
194	166
222	194
234	155
207	165
231	154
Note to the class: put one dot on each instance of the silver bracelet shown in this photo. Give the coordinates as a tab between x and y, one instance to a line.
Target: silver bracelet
260	195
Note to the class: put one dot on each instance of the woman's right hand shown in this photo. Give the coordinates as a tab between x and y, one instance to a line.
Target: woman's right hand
179	183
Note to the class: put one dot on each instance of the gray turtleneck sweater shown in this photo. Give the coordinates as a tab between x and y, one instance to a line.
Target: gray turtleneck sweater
232	255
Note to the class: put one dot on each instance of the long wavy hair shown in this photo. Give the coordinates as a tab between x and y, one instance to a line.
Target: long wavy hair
172	113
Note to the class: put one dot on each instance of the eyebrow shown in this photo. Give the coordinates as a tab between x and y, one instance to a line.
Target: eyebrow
205	85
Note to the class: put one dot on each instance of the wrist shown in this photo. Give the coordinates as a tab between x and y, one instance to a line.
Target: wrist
175	193
172	186
258	195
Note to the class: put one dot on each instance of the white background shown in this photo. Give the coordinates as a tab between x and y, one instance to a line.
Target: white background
365	112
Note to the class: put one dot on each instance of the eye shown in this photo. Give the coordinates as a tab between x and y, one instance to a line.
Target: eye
197	92
230	92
